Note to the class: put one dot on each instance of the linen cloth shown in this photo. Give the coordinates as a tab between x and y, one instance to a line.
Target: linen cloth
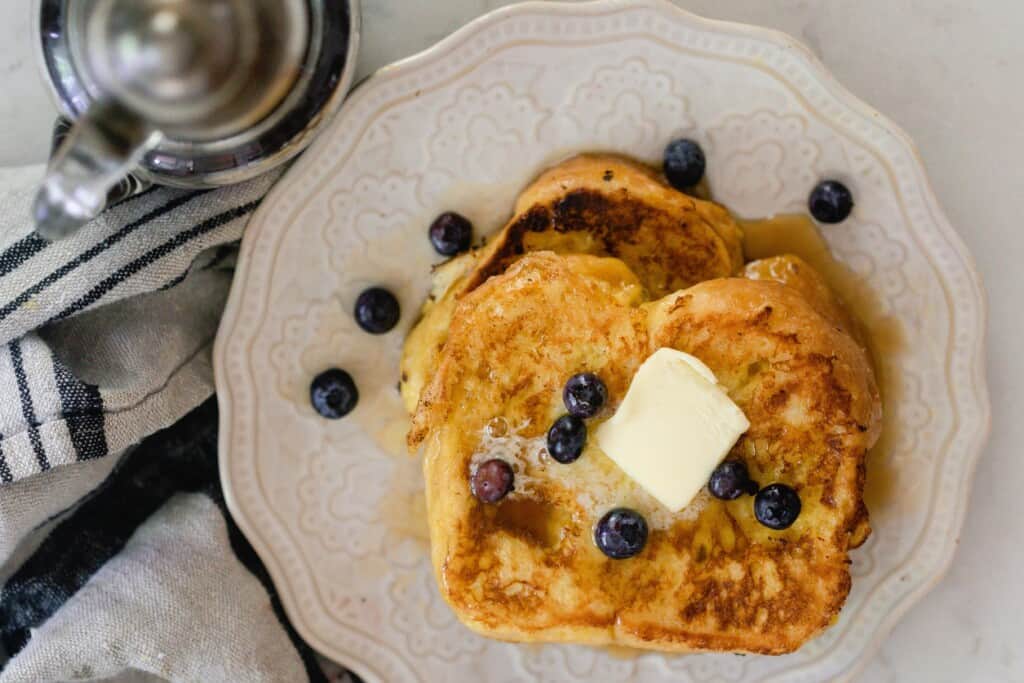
118	559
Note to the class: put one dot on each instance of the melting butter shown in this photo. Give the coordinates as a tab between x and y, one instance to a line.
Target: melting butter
674	427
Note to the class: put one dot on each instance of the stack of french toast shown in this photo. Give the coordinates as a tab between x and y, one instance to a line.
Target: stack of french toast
602	264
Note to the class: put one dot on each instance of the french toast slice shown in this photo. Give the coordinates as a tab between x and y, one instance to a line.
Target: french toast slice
710	577
592	204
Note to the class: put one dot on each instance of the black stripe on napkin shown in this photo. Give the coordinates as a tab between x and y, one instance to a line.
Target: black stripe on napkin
94	251
19	252
27	409
5	471
126	271
182	458
82	408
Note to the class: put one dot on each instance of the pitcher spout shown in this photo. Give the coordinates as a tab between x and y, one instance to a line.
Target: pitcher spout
90	167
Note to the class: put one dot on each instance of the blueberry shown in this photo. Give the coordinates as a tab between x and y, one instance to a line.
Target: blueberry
377	311
777	506
492	481
451	234
566	439
684	163
831	202
584	395
622	533
730	480
334	394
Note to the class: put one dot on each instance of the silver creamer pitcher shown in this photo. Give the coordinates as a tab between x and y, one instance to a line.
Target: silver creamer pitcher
185	93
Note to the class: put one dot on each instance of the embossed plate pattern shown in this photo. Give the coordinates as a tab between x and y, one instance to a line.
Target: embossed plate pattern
336	513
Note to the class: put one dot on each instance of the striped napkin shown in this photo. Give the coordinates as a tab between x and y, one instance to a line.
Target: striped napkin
118	559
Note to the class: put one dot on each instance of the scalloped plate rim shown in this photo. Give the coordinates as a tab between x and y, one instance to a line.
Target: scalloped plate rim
970	456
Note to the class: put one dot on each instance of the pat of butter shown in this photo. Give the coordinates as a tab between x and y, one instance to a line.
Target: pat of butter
674	427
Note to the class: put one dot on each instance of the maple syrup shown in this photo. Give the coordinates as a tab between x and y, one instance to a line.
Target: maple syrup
541	521
798	235
623	653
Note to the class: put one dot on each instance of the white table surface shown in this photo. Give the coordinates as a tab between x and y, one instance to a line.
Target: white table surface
951	73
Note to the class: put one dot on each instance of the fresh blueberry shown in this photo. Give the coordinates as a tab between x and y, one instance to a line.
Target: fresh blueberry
492	481
831	202
566	439
730	480
451	234
584	395
777	506
334	394
684	163
622	533
377	310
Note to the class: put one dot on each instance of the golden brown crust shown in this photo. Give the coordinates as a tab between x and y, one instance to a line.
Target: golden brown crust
609	206
423	344
526	569
800	277
592	204
797	274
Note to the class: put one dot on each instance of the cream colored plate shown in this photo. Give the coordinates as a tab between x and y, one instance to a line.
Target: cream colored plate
333	509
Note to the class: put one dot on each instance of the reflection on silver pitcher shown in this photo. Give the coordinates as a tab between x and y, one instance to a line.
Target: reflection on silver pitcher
185	93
